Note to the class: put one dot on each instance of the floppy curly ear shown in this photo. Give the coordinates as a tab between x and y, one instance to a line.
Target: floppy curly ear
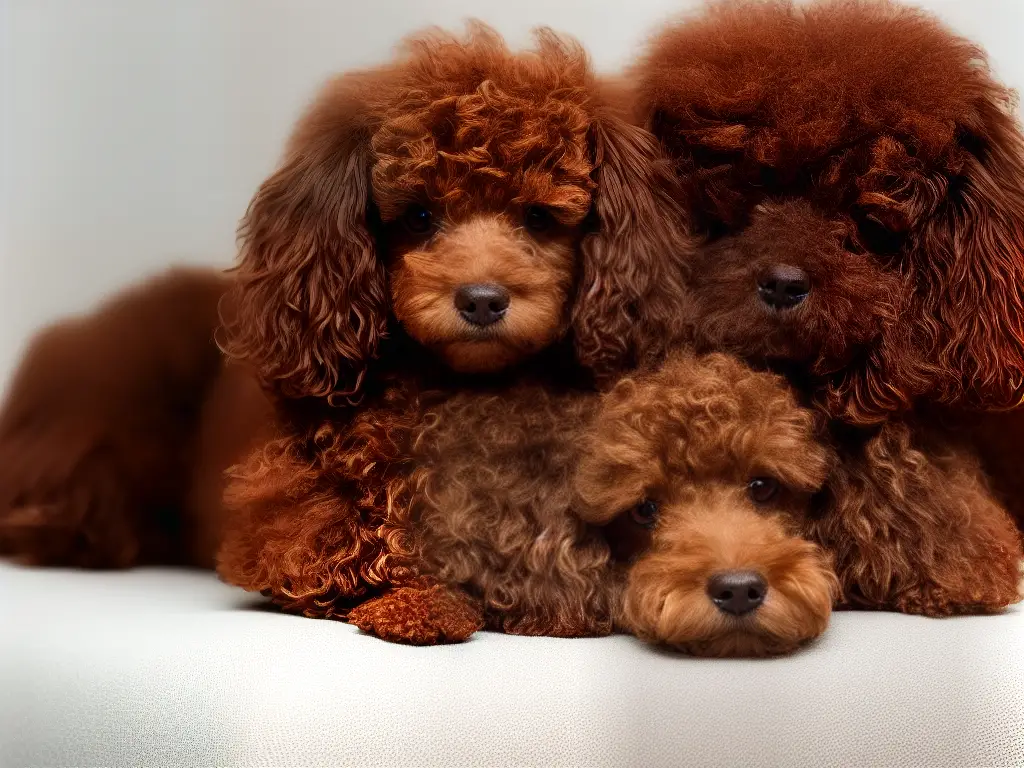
309	304
632	300
961	341
975	246
606	445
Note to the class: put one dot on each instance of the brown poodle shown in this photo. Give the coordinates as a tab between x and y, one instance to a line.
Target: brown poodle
697	506
860	182
464	216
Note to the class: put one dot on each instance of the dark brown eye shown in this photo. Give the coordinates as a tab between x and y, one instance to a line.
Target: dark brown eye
644	514
537	218
762	489
417	219
877	237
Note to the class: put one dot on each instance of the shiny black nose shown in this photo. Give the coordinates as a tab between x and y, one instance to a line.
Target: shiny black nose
783	286
482	304
737	592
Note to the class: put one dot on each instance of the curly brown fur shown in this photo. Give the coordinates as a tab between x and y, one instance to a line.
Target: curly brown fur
492	497
534	181
318	531
866	145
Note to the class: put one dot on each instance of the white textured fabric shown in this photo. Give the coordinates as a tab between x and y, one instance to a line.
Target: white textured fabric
159	667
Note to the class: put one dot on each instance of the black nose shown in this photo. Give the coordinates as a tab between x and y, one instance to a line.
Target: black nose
783	286
482	304
737	592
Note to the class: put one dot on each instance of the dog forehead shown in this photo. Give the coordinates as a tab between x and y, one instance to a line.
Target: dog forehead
716	416
786	86
487	147
721	439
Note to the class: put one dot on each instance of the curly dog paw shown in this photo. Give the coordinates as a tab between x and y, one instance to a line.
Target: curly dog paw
933	600
419	615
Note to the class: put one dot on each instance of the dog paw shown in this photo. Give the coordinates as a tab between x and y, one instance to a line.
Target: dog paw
65	534
547	626
419	615
933	600
76	517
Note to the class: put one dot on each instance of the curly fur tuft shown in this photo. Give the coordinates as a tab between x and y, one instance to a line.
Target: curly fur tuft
914	526
321	522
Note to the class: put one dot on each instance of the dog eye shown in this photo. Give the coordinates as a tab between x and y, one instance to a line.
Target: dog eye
877	237
537	218
762	489
417	219
644	514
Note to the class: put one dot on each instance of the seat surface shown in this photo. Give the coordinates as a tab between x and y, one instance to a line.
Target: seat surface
164	667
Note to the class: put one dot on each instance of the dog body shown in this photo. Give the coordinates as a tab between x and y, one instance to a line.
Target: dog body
859	180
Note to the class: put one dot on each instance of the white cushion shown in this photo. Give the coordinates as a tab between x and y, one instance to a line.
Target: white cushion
164	667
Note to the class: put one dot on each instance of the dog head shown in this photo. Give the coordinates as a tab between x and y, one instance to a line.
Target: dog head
486	201
860	181
704	474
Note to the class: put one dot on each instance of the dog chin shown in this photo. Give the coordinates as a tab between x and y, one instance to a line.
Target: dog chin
741	643
481	355
685	623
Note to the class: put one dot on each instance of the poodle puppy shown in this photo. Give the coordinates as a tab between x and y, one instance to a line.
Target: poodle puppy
480	203
862	223
464	216
698	506
707	473
673	507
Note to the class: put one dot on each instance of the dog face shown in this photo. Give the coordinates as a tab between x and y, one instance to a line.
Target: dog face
483	199
488	293
488	202
863	212
704	475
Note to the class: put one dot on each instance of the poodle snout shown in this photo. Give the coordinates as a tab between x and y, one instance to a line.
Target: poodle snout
482	304
783	286
737	593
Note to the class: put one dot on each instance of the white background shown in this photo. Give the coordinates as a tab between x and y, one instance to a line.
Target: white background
133	132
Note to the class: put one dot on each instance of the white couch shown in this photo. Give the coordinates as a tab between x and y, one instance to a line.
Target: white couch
163	667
